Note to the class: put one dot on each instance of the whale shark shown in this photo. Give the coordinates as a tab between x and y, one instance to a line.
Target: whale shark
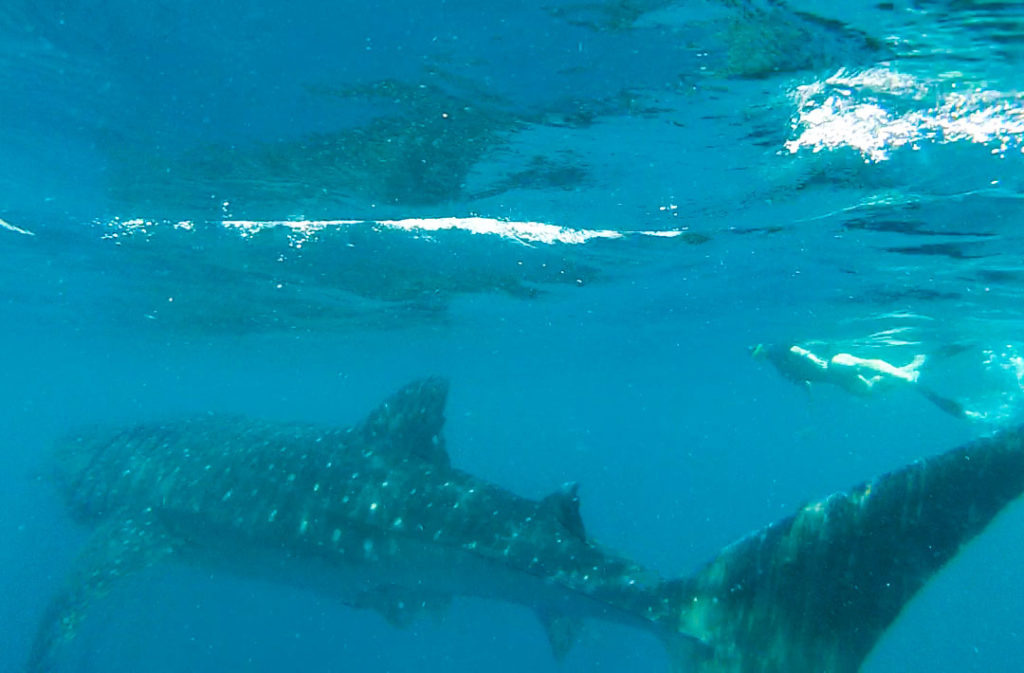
376	517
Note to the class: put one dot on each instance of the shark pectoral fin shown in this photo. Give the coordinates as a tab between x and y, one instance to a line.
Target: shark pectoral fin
409	423
563	632
399	605
564	504
115	550
814	592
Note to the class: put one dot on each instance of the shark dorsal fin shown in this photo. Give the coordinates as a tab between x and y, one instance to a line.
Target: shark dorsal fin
565	505
409	423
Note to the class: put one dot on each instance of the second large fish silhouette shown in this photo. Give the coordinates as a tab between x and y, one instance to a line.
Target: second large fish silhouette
376	516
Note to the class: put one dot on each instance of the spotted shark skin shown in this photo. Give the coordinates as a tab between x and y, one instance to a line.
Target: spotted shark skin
376	516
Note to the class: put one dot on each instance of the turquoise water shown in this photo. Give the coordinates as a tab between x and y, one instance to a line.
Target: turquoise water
582	214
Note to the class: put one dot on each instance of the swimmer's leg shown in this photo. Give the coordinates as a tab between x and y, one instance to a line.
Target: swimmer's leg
912	372
869	382
908	373
950	406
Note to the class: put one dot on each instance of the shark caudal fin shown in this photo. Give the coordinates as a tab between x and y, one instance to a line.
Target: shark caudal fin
814	592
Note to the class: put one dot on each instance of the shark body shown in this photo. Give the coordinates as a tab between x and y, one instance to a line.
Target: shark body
376	516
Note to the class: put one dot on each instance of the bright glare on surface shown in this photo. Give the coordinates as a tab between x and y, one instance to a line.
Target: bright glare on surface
878	110
301	230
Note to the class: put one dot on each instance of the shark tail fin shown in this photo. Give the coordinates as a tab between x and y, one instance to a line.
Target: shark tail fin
815	591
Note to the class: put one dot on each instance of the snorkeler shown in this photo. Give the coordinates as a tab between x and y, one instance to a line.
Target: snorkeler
860	376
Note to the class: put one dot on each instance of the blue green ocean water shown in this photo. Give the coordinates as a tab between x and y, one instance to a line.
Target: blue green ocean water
582	214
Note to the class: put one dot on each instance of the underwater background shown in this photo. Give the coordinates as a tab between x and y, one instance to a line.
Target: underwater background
582	213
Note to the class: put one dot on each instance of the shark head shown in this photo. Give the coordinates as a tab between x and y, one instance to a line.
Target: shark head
73	456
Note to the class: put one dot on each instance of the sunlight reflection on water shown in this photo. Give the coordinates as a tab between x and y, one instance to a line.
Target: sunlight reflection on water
878	110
